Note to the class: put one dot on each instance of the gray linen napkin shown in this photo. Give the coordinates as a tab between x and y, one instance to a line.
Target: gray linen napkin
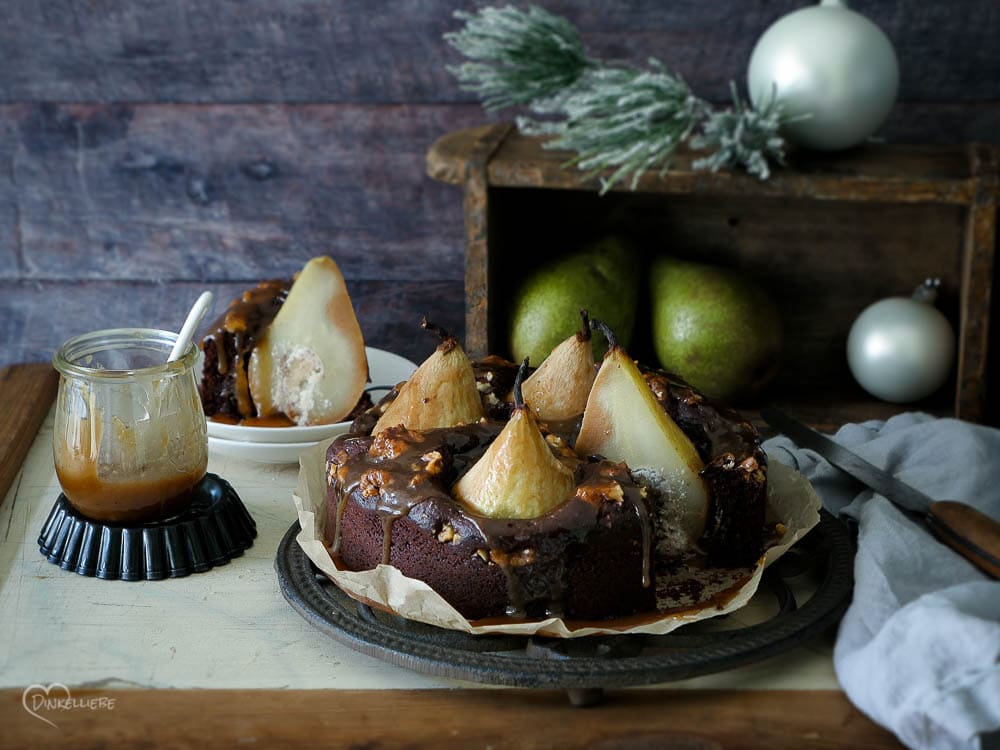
919	648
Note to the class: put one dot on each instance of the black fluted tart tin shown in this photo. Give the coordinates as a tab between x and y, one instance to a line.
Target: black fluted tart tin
215	528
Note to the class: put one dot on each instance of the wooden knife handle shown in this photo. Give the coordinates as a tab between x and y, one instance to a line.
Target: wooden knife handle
973	535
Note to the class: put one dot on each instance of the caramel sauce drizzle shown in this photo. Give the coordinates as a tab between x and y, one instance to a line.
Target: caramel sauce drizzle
642	511
245	318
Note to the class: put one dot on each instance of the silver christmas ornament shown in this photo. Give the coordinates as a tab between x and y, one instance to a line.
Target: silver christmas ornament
833	72
902	349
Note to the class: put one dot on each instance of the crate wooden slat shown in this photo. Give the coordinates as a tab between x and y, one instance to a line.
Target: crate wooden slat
826	235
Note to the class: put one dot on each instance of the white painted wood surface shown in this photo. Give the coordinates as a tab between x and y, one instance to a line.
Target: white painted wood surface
227	628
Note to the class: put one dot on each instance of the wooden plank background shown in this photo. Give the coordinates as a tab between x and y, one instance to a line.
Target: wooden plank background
149	149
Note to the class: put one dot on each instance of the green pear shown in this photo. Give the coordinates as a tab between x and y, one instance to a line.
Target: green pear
603	278
714	327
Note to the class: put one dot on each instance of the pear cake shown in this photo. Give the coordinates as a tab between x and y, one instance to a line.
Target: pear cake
555	493
287	352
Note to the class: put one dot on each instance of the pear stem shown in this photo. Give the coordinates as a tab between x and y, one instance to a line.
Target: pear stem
584	334
522	373
448	342
605	329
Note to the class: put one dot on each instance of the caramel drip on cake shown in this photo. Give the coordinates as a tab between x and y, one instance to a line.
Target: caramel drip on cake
387	520
647	541
609	481
576	516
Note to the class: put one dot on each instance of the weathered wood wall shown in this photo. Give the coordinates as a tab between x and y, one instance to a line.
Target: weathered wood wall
150	149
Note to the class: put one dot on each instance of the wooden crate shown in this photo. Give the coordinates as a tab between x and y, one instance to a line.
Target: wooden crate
825	236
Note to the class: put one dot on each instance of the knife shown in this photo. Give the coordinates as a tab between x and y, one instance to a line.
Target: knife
972	534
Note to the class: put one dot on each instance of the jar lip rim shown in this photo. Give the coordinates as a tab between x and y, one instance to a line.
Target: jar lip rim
62	363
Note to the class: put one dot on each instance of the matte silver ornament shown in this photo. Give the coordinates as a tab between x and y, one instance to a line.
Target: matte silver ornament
901	349
833	71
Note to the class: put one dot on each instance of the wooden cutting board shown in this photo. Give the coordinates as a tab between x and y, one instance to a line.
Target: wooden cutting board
26	393
422	718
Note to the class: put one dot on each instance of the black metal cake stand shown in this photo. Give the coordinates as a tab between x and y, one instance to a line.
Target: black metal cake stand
583	666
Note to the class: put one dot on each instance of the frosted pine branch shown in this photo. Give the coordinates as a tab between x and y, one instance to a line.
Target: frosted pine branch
626	120
614	118
521	56
741	137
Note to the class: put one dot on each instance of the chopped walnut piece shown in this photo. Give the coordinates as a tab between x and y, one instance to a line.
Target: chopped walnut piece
595	494
448	534
434	461
373	481
387	445
659	386
616	493
749	464
524	557
498	557
483	554
555	441
562	451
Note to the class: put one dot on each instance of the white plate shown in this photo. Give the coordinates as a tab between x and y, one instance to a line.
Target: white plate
265	453
384	368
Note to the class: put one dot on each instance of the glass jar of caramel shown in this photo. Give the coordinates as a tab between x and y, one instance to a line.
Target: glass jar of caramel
130	443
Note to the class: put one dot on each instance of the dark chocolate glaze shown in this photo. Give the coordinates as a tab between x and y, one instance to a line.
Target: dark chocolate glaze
495	381
225	388
406	476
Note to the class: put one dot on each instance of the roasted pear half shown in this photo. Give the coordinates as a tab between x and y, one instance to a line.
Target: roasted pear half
441	393
623	421
559	388
310	363
518	476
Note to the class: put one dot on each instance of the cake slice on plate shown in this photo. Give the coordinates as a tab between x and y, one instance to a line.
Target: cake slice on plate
287	350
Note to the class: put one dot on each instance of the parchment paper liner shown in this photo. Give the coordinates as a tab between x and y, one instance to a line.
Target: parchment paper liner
791	500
